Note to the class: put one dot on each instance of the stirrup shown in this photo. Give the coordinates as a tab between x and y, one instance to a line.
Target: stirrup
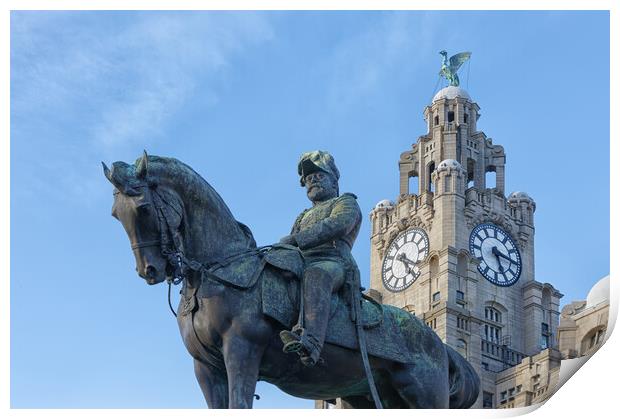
292	342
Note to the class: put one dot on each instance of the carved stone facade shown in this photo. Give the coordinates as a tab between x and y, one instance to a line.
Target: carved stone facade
446	189
533	381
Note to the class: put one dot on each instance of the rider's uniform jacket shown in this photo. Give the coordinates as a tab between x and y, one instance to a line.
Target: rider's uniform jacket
328	229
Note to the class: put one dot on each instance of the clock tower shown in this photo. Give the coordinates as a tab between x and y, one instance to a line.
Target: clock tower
457	252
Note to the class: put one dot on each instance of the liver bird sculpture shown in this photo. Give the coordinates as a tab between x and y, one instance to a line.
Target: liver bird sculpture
449	68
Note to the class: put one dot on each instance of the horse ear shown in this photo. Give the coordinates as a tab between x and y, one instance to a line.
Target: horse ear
107	172
142	166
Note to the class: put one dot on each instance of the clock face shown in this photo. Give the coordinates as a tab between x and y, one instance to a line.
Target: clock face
500	260
400	265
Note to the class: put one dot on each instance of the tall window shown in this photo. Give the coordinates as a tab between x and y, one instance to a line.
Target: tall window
431	169
493	332
434	266
461	265
492	314
544	336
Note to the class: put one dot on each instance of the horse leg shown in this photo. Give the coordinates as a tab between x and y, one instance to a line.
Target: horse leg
213	383
422	386
242	359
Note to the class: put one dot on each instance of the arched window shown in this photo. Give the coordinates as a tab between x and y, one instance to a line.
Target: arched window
436	119
434	266
592	340
461	265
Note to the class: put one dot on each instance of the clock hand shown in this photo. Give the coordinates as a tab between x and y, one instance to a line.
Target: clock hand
406	261
403	258
497	253
499	262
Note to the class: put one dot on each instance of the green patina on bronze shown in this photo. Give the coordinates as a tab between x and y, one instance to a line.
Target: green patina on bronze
450	67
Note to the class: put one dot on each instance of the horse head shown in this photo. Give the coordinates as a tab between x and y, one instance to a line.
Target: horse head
151	216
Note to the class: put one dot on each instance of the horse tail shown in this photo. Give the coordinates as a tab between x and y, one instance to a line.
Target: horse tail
464	381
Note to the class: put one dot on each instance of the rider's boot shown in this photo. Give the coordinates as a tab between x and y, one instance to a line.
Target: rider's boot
308	340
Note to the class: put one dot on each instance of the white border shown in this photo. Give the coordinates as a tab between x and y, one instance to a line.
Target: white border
591	393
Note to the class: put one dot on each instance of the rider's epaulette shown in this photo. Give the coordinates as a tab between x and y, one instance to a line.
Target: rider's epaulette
350	194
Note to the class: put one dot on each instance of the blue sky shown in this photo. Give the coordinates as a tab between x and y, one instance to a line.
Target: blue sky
239	96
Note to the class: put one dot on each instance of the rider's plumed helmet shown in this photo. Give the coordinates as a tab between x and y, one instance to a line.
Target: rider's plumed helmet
314	161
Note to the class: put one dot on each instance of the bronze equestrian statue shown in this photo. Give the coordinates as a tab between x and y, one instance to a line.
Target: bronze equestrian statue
239	301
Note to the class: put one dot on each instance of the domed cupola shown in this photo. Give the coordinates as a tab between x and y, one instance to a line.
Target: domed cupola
384	205
449	165
451	92
452	106
449	177
523	206
519	197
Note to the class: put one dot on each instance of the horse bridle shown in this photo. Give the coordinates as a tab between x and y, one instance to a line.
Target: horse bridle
169	241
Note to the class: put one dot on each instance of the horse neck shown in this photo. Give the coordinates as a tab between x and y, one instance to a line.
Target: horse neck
212	233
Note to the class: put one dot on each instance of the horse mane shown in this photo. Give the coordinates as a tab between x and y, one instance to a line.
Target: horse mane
193	185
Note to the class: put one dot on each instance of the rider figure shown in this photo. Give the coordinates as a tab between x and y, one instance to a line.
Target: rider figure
325	234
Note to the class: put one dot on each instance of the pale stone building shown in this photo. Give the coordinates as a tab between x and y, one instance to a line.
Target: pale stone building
457	252
583	324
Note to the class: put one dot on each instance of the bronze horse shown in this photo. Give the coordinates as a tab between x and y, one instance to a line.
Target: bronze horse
178	226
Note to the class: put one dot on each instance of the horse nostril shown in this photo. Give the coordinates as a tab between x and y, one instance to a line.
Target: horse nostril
150	271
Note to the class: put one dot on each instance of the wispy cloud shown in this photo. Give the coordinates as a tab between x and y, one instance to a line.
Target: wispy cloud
104	82
132	71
